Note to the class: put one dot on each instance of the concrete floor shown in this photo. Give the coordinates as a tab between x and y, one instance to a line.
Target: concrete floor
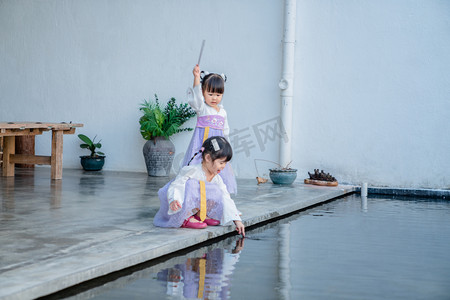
56	234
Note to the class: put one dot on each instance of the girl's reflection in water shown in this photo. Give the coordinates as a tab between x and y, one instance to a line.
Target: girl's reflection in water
208	275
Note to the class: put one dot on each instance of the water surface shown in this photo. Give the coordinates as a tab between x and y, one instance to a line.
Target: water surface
376	248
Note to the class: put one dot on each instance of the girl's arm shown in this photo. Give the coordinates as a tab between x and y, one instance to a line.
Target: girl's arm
175	193
194	94
196	73
230	211
195	98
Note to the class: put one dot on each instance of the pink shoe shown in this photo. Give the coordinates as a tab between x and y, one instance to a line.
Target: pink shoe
209	222
188	224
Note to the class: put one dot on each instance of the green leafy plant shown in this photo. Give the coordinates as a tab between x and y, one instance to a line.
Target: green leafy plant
91	145
164	122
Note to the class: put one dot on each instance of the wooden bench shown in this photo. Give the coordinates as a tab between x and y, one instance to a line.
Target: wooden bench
10	130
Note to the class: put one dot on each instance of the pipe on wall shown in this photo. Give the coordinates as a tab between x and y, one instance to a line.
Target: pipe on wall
287	79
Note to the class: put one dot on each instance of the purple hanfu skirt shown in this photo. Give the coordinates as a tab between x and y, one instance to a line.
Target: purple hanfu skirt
215	124
191	204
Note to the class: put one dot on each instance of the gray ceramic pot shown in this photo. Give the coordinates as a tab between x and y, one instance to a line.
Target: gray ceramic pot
280	176
158	155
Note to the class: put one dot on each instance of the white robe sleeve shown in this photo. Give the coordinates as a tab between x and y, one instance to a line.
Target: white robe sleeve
195	98
177	187
230	211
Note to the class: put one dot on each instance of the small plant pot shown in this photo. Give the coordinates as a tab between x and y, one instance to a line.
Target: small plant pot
90	163
280	176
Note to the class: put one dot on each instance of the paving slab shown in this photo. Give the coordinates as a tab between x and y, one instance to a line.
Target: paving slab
58	233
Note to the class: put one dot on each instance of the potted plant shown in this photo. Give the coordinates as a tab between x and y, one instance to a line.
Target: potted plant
280	175
96	160
283	175
156	126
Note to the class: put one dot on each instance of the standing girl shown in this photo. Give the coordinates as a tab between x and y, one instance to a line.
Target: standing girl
197	197
211	118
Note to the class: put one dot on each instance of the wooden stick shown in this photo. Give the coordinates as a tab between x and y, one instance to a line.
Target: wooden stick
201	52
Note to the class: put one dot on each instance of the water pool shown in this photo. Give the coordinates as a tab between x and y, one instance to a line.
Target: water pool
379	248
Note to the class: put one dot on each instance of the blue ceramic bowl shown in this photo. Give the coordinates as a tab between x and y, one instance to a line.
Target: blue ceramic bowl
287	176
92	163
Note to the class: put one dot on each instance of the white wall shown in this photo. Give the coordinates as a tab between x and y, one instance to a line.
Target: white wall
372	91
94	62
371	82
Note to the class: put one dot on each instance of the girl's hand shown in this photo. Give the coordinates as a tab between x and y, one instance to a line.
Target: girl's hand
240	228
175	205
196	71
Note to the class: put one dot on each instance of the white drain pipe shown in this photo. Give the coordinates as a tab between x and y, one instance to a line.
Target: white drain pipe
287	79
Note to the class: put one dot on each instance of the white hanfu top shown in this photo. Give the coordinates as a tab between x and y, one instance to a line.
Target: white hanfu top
197	102
177	187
